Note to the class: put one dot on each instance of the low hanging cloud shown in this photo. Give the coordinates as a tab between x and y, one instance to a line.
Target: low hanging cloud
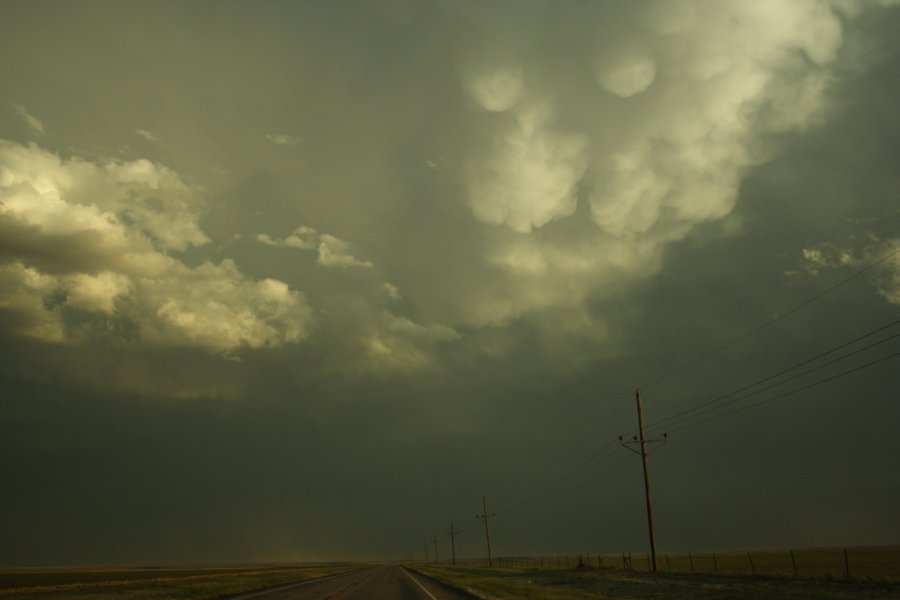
331	251
87	246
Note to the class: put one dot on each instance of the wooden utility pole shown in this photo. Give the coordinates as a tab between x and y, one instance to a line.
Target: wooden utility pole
643	443
487	532
436	559
452	535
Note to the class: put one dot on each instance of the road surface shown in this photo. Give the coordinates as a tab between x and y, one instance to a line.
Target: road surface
388	582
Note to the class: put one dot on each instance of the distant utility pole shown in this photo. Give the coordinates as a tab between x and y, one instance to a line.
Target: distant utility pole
452	535
425	547
487	532
436	559
643	442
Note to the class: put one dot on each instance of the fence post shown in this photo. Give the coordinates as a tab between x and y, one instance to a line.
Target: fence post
752	567
794	563
715	563
691	558
668	564
846	564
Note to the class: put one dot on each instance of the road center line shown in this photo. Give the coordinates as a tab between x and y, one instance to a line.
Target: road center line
415	581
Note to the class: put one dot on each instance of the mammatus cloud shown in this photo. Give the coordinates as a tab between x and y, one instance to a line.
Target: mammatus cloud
331	251
626	75
693	95
85	251
282	139
496	90
530	174
35	124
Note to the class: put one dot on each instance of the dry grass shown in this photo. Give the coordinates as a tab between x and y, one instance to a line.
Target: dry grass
588	583
149	584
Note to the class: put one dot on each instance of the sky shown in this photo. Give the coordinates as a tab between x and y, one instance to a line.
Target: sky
290	281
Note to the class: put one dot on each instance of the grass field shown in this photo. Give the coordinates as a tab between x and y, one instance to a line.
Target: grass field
589	583
820	574
150	583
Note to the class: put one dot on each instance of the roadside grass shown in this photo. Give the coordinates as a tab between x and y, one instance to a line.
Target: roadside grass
150	584
590	582
878	563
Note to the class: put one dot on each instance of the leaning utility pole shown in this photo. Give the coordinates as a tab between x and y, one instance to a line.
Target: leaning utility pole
452	535
436	559
643	442
487	532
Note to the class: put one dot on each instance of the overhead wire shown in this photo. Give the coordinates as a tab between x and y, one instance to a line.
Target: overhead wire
767	324
711	409
790	392
580	467
709	403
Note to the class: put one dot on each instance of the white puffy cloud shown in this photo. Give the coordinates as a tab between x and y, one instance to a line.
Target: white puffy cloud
217	307
397	343
96	292
331	251
304	238
132	205
334	252
23	307
95	239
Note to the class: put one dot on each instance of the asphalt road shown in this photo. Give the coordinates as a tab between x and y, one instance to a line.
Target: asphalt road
388	582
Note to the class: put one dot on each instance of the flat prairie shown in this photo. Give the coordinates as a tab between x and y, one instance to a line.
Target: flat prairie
522	578
165	583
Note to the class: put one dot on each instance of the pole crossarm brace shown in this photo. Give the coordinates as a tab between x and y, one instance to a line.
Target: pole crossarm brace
650	445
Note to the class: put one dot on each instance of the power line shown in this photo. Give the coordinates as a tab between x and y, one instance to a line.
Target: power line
561	486
717	400
574	472
792	378
756	330
790	392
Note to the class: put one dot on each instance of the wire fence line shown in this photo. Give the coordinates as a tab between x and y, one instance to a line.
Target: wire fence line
875	563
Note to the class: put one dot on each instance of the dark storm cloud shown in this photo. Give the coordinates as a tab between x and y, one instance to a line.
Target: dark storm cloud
306	281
